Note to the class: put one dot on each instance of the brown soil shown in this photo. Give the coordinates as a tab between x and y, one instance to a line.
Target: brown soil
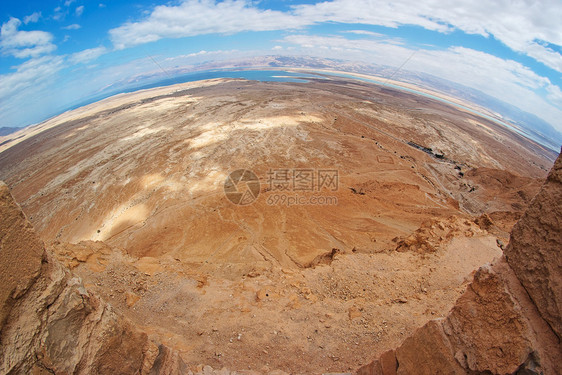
302	288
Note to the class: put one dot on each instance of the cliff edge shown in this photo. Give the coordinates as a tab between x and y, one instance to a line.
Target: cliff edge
509	319
50	323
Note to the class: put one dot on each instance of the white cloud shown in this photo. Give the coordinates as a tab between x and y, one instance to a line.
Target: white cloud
79	10
373	35
32	18
87	55
277	48
197	17
203	53
24	44
555	95
28	75
373	12
545	55
59	14
67	3
365	32
74	26
377	51
25	95
517	24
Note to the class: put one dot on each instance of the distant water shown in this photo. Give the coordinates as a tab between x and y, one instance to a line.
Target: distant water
286	76
255	75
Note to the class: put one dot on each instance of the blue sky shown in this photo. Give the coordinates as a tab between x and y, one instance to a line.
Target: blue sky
57	53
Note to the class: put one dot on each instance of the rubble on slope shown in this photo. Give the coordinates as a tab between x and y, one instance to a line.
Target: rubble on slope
508	321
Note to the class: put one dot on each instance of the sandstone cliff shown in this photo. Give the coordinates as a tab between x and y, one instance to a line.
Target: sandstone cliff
534	251
49	323
509	319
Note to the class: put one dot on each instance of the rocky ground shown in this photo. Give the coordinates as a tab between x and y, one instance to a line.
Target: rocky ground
128	194
279	318
508	321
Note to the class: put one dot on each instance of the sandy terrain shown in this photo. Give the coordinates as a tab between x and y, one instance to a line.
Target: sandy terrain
270	285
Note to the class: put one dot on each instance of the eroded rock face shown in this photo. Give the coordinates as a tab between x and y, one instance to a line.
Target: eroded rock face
52	324
508	320
485	331
20	255
535	249
492	329
434	233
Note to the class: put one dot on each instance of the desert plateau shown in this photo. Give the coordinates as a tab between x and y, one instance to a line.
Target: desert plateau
373	234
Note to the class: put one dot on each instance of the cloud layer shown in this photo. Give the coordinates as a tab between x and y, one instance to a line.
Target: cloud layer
524	26
198	17
24	44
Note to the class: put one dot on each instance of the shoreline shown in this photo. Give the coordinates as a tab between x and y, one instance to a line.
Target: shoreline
15	138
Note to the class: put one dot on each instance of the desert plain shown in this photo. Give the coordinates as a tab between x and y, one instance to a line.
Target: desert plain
375	208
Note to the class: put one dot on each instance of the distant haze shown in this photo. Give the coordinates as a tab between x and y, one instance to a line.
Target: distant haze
55	56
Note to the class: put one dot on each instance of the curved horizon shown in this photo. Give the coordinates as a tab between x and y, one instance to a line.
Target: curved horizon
56	54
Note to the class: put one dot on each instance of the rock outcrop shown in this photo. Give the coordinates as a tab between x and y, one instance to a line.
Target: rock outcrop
50	323
535	249
509	319
434	233
21	254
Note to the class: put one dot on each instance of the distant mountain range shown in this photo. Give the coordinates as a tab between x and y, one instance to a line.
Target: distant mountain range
533	126
530	124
